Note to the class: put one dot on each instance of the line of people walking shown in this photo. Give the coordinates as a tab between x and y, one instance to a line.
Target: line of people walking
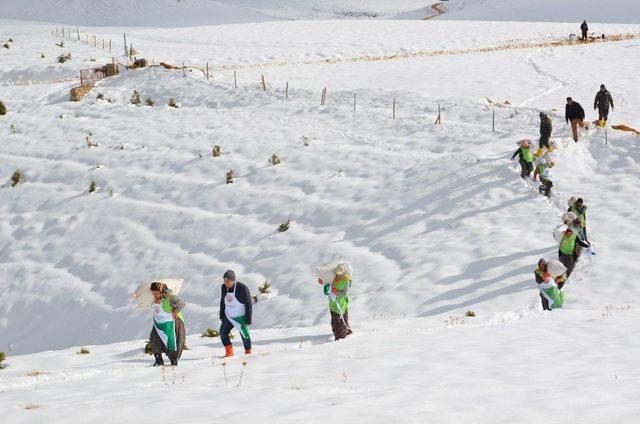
168	334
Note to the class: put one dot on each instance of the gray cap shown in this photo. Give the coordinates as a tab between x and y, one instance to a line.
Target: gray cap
229	275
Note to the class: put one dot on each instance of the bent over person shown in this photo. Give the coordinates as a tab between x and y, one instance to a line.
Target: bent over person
235	311
168	334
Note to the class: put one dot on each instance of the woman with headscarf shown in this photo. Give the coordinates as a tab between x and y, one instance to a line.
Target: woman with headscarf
168	334
338	292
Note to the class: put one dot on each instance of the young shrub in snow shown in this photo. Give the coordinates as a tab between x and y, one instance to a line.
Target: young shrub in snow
41	55
64	57
83	351
5	45
185	347
265	288
306	141
284	226
229	177
16	178
12	129
147	348
10	40
172	102
216	151
135	98
100	96
470	314
60	44
149	101
3	108
2	358
274	159
211	333
92	187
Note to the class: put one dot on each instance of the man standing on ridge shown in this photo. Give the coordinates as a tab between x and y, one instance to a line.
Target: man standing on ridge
585	29
235	311
602	101
575	113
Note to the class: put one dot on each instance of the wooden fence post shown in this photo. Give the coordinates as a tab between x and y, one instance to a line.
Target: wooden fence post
493	120
207	70
394	108
264	85
183	71
439	118
109	45
153	62
286	91
323	97
126	53
235	79
354	101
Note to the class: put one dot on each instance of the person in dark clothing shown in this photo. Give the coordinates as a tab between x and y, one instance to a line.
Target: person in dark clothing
567	249
585	30
235	311
526	159
542	274
574	113
545	132
602	101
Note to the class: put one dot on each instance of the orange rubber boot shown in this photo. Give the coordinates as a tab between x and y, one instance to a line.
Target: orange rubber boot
228	351
247	351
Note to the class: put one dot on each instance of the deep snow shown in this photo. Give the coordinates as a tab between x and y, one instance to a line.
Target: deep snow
433	218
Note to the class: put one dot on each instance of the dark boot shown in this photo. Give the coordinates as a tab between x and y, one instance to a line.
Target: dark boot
173	357
159	361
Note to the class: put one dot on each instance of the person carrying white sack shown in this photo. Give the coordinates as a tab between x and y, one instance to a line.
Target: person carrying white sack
168	334
336	283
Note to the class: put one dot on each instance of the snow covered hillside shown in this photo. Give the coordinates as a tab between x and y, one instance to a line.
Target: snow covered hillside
433	218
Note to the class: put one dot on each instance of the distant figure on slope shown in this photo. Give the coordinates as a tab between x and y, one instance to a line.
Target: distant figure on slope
545	133
338	292
567	248
168	334
235	311
578	207
546	179
585	30
526	158
575	113
602	101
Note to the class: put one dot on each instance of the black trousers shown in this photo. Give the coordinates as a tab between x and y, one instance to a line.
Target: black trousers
568	261
547	187
526	168
603	115
225	329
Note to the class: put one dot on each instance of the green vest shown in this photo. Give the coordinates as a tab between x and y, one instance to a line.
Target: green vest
527	155
166	306
582	216
567	244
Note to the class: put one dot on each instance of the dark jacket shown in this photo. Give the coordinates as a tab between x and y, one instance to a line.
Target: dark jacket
573	111
602	101
584	27
545	127
243	295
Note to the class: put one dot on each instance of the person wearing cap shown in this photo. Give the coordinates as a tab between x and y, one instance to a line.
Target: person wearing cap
602	101
574	113
525	158
543	171
168	334
338	293
578	207
542	274
545	133
567	248
235	311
